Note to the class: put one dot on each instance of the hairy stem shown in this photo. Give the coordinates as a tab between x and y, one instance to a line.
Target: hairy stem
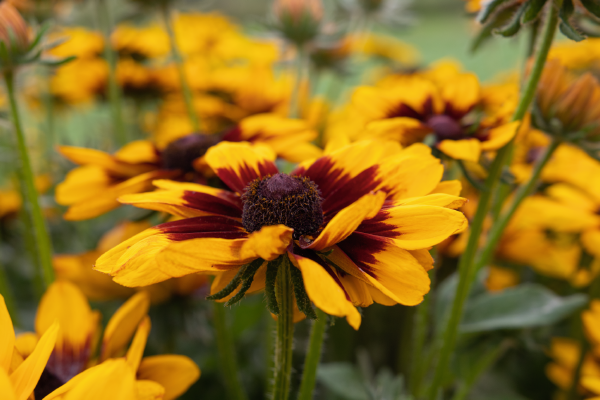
285	331
313	356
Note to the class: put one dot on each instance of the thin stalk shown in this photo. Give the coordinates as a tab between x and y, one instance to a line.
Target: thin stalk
295	103
114	90
313	356
285	331
227	359
466	262
525	190
9	299
178	59
43	245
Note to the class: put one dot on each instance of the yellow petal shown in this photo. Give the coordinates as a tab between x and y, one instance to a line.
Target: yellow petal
466	149
268	243
6	388
136	350
449	187
173	372
590	238
25	343
324	291
65	303
149	390
138	151
25	378
500	136
7	337
237	164
123	324
438	199
82	183
462	92
400	129
346	221
164	201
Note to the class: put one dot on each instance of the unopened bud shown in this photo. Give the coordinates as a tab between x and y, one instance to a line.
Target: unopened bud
299	20
14	32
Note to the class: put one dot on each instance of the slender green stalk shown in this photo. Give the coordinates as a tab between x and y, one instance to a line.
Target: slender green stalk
466	262
313	356
285	331
486	361
525	190
43	245
6	292
114	90
295	101
227	359
178	59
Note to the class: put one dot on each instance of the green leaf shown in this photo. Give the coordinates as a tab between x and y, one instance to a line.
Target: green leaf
302	299
525	306
534	7
565	26
593	6
514	25
59	62
487	10
344	380
499	19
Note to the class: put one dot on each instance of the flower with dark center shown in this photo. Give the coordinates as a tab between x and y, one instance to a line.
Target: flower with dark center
293	201
354	224
180	154
445	127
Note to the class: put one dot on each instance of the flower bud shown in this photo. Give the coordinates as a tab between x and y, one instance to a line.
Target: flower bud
298	20
14	32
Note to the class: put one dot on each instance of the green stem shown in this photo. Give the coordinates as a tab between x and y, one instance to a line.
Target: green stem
295	103
43	245
525	190
178	59
465	266
285	331
313	356
114	90
225	345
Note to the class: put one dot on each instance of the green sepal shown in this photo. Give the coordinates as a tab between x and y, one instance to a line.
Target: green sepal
534	7
272	268
565	26
59	62
593	6
38	37
488	10
302	299
247	278
231	286
514	26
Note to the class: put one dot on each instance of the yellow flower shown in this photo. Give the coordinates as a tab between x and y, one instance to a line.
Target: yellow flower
379	251
80	81
499	279
10	198
137	79
93	188
439	102
565	354
78	42
19	374
79	339
141	42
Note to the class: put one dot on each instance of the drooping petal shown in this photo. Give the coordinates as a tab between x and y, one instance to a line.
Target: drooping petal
173	372
347	220
149	390
237	164
123	324
268	243
465	149
26	376
138	344
500	136
449	187
324	291
7	336
413	227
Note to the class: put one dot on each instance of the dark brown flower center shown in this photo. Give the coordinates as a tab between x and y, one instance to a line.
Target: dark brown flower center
181	153
47	384
445	127
293	201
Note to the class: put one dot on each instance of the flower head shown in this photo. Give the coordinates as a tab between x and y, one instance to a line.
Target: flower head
355	224
298	20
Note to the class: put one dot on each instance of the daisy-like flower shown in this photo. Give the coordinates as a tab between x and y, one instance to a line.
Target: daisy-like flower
356	225
19	374
77	344
442	103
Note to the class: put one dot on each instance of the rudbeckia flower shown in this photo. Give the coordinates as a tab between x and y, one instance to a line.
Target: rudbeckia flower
78	343
93	188
565	355
449	107
356	225
19	375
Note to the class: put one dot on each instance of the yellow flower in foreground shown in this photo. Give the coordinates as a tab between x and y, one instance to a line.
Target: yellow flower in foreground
93	188
78	342
356	224
19	375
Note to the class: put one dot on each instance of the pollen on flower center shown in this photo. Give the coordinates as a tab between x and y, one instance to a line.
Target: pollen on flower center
293	201
445	127
181	153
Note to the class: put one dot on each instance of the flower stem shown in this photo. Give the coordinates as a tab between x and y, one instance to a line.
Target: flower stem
229	367
295	101
525	190
114	90
313	356
185	87
465	267
43	245
285	331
